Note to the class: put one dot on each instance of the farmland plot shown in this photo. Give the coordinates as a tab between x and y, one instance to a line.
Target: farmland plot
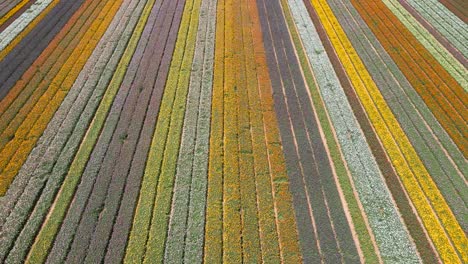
209	131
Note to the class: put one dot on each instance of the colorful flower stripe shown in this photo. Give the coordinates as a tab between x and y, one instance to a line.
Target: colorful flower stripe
59	119
277	174
22	22
404	205
425	195
427	76
449	25
164	150
444	172
458	72
13	18
30	125
188	203
458	7
53	145
190	131
10	10
367	243
46	235
213	246
436	34
297	124
372	182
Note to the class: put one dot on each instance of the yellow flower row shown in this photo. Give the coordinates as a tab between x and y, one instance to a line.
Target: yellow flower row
232	226
214	219
248	173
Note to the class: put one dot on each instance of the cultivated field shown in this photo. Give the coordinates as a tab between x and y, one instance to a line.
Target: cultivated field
233	131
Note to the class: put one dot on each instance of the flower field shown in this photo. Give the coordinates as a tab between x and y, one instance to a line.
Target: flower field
233	131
